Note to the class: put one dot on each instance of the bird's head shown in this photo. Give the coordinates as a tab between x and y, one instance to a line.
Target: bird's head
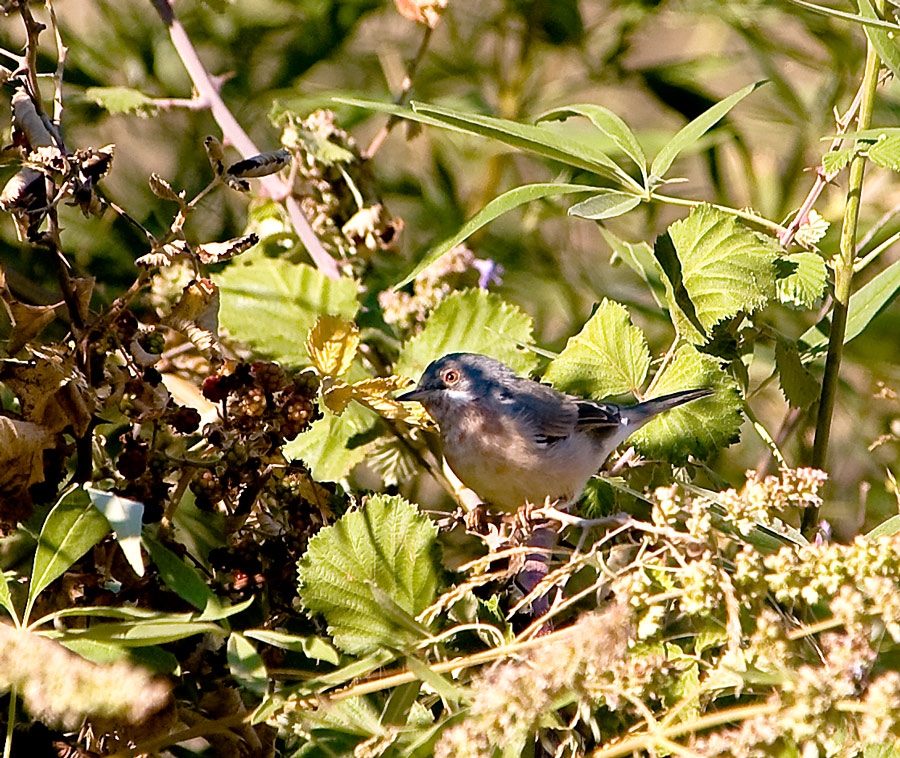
457	379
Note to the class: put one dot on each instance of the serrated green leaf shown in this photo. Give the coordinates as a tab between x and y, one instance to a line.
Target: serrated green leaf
609	356
311	646
327	446
699	428
125	518
271	304
886	152
473	321
607	122
837	160
496	207
119	100
72	528
721	266
806	281
605	204
799	386
182	579
246	665
693	131
885	43
865	305
387	545
638	256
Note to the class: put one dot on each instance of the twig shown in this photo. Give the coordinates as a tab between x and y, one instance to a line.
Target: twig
61	53
405	89
233	132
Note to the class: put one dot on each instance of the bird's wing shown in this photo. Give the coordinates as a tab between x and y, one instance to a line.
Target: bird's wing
551	414
596	416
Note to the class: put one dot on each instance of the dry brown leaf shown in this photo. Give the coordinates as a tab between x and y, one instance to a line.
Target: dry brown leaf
332	345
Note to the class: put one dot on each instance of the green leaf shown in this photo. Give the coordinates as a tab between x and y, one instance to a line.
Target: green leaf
720	266
6	601
692	132
496	207
246	665
609	356
638	256
800	388
271	304
72	528
865	305
607	122
837	160
141	633
605	204
886	152
474	321
534	139
699	428
312	647
328	448
156	659
125	519
806	281
182	579
119	100
886	528
386	545
884	42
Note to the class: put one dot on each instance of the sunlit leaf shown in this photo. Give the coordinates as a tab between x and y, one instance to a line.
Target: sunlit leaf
806	282
605	204
125	517
245	664
385	547
312	647
332	345
607	122
272	304
497	207
72	528
693	131
719	269
699	428
119	100
471	321
327	446
609	356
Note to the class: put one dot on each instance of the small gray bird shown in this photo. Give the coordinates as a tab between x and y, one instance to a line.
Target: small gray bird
514	440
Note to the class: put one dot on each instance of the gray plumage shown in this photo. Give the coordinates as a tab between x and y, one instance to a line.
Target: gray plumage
514	440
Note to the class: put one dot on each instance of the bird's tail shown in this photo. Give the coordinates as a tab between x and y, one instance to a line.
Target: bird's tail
638	415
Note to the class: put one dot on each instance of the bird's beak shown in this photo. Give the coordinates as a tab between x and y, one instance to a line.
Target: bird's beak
417	395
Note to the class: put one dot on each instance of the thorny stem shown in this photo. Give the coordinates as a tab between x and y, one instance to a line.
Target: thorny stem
233	132
405	89
61	53
843	279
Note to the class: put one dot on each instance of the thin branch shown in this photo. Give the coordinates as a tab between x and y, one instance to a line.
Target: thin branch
61	53
402	97
233	132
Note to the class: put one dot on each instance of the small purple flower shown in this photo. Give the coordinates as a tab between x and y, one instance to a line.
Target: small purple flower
489	272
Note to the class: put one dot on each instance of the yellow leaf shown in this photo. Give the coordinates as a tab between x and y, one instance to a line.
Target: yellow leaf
332	345
373	394
338	396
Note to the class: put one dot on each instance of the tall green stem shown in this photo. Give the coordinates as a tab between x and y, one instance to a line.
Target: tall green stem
843	279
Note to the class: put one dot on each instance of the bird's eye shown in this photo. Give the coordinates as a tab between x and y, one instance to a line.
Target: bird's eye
450	377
